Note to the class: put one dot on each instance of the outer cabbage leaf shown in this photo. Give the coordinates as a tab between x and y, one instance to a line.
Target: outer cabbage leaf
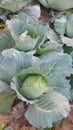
32	11
58	67
61	85
13	5
58	64
50	55
47	109
16	26
57	5
60	25
30	71
51	46
44	3
6	40
53	37
6	101
13	61
69	25
7	97
4	86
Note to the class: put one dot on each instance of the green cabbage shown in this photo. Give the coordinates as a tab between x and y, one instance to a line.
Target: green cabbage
33	87
39	81
26	42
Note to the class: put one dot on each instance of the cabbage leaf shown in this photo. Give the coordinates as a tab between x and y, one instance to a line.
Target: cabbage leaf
57	5
13	5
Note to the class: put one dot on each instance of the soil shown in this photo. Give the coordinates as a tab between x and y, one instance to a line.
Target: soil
16	120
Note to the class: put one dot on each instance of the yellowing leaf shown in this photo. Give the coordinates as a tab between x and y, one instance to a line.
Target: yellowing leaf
2	126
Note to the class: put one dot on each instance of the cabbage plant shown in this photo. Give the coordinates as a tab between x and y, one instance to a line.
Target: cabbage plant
39	81
59	5
28	35
26	32
63	25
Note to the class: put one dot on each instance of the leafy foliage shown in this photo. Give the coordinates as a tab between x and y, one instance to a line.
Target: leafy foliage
13	5
47	113
34	64
51	70
6	41
63	26
25	30
57	5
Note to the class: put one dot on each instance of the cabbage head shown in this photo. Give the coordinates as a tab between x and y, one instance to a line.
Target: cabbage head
33	86
27	33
